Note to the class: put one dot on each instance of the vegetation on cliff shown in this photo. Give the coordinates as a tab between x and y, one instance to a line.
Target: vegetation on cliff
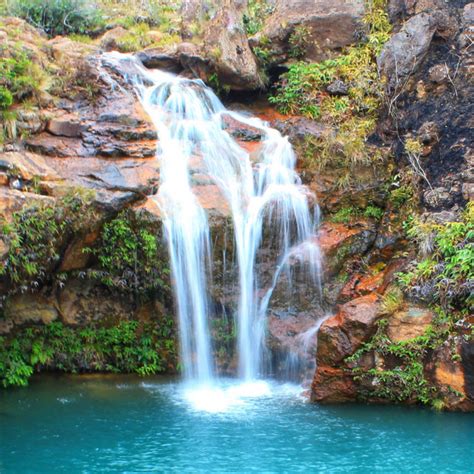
128	346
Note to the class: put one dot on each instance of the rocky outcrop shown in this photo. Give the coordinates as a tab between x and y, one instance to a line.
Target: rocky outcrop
339	337
404	51
227	45
324	26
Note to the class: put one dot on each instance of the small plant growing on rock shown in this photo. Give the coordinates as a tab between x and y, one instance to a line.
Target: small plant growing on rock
446	274
299	41
131	257
413	150
37	234
127	346
254	17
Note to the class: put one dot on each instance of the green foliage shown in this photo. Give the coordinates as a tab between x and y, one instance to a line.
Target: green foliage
392	300
254	17
138	37
303	86
404	379
299	41
224	333
400	195
303	90
6	98
57	17
126	347
373	212
131	256
19	77
37	233
346	214
446	273
214	82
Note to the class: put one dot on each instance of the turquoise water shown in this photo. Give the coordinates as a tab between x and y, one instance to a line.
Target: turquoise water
130	425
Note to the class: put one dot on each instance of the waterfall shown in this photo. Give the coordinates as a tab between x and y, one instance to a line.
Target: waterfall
190	122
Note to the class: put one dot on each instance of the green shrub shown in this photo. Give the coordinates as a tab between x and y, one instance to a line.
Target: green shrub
373	212
346	214
404	379
446	273
57	17
254	17
131	256
126	347
37	233
303	90
19	77
6	98
299	41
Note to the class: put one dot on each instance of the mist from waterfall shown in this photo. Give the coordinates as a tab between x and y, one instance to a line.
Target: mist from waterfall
189	120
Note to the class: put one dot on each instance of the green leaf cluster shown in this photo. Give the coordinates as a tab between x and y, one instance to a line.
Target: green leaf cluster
20	78
128	346
404	379
446	274
346	214
303	90
131	255
37	234
254	17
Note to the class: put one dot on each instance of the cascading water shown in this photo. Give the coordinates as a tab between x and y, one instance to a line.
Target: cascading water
189	119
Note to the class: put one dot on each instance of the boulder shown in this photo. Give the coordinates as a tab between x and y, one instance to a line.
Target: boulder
156	58
339	242
409	323
330	26
404	51
342	334
110	40
227	47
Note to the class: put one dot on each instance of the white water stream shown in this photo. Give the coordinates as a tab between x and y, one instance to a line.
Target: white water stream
263	192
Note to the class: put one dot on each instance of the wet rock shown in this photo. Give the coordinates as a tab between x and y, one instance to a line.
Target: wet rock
212	200
332	385
339	337
66	126
338	242
12	201
439	73
83	302
46	144
75	258
240	130
156	58
342	334
298	128
194	61
27	166
454	376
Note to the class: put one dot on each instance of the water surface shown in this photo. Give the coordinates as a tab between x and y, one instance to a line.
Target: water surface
127	425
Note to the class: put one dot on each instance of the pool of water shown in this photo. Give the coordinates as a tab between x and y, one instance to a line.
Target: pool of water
129	425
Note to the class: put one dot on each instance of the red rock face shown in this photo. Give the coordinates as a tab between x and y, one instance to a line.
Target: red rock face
338	338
